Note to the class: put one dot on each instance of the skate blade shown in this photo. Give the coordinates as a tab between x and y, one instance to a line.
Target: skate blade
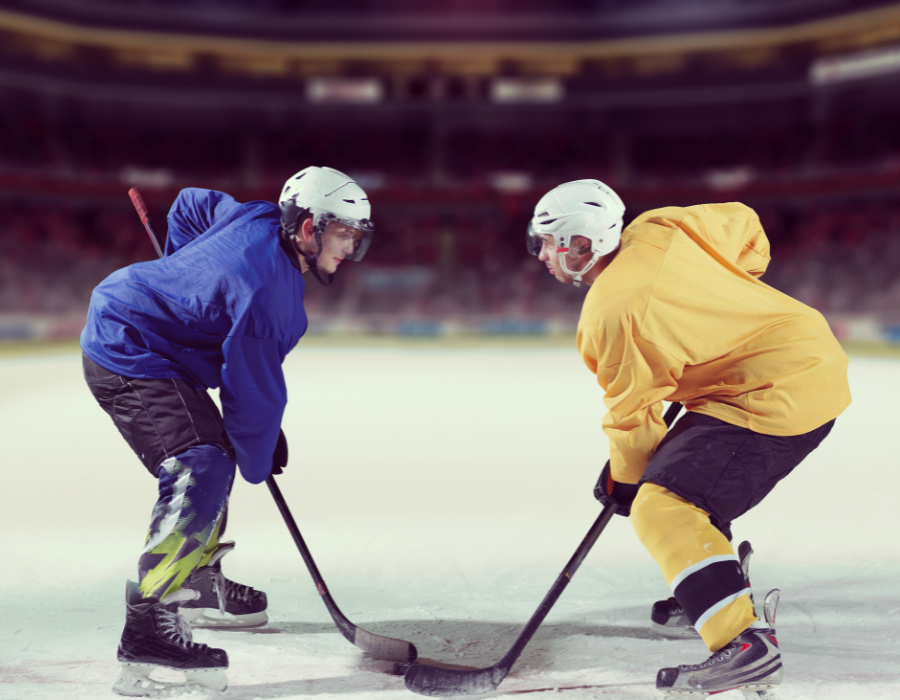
674	632
750	692
211	618
134	681
760	692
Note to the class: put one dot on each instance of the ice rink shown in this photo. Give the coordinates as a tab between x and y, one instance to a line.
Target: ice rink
441	492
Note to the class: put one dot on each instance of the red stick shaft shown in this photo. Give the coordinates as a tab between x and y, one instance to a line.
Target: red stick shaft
141	208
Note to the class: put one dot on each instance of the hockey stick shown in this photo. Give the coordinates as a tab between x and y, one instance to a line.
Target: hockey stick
384	647
445	682
138	203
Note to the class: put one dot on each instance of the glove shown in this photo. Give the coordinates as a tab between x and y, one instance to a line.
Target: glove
280	456
608	491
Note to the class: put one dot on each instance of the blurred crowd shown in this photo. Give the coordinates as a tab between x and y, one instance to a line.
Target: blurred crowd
839	258
450	239
228	154
52	256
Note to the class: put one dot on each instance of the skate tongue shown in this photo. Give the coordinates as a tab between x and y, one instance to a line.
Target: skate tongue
223	549
218	584
132	593
770	606
182	595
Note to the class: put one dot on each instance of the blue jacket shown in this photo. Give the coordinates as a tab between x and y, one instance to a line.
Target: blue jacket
222	309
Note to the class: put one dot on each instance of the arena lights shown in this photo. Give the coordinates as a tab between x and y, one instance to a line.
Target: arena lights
866	64
345	90
520	90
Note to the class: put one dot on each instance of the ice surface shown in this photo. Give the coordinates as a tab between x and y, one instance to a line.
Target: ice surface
441	492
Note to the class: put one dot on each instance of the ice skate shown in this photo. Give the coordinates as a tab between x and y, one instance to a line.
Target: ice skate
222	603
751	663
668	619
155	637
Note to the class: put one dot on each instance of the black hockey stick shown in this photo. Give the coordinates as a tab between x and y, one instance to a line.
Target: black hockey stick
384	647
445	682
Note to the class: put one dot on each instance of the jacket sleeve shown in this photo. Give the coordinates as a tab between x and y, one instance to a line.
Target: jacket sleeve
636	376
254	396
193	213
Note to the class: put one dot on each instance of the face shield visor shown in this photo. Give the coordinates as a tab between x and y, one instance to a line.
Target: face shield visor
533	240
568	251
573	251
346	238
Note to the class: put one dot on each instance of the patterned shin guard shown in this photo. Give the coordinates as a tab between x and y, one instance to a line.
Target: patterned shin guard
697	561
193	493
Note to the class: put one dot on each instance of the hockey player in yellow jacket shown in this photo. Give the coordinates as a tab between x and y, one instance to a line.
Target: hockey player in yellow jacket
676	311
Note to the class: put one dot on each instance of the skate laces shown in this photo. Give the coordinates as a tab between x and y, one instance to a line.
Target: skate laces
175	629
239	591
723	653
674	606
226	589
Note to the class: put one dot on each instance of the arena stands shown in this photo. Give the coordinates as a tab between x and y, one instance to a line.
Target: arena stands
454	138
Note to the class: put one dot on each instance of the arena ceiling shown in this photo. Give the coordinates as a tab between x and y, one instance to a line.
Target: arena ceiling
640	37
414	20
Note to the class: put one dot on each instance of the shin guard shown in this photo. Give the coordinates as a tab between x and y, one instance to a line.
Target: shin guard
193	492
697	562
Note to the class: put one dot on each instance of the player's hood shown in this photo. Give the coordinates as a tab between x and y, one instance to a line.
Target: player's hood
730	232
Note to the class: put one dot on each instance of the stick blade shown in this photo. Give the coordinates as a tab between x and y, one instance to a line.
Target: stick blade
385	647
447	682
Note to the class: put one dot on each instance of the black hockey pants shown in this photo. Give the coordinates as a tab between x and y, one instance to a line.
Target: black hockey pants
159	418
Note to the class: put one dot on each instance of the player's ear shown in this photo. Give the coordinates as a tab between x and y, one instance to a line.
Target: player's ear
580	245
306	229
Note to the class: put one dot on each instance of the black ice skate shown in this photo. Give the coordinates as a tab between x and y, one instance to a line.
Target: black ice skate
222	603
751	663
156	636
668	619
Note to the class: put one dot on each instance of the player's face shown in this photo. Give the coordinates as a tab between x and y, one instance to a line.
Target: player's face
338	241
550	258
577	257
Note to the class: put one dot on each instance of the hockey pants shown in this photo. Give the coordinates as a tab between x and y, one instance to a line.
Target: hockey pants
705	474
177	432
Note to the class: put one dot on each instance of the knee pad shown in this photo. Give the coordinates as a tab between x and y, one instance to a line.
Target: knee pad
656	511
674	530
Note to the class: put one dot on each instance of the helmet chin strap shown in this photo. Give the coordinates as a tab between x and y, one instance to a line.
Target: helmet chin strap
576	276
311	260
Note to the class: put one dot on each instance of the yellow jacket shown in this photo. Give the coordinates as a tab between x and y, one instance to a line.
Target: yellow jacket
680	315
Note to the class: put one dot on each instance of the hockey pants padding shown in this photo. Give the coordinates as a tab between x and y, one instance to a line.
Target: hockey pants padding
159	418
697	562
726	469
187	519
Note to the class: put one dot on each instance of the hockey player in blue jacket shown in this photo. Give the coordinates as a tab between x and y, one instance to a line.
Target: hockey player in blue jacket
221	309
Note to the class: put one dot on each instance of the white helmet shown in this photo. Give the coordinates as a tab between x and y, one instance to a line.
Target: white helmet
326	195
585	208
